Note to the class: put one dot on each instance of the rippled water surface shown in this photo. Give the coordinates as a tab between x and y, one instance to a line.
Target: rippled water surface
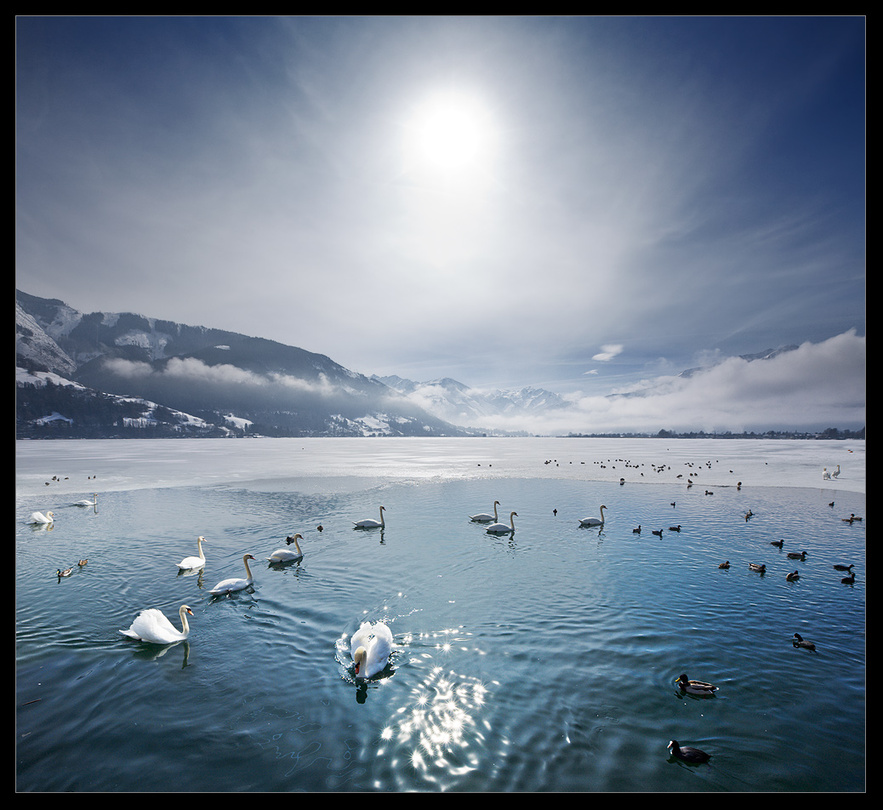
540	661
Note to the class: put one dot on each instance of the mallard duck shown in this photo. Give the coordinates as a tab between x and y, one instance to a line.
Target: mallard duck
66	573
675	528
696	687
797	555
638	530
81	563
849	568
724	564
777	543
848	580
792	577
687	753
799	642
658	532
757	567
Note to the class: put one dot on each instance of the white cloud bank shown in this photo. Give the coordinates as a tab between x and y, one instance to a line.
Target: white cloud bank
817	385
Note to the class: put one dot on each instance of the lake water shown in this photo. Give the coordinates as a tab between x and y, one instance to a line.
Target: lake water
540	661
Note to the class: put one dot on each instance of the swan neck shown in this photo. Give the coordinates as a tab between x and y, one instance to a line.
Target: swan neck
297	545
247	569
185	625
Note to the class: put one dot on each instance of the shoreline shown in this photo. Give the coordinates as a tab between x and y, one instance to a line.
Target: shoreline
68	466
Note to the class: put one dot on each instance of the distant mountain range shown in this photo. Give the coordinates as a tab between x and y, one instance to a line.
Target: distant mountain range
113	375
107	375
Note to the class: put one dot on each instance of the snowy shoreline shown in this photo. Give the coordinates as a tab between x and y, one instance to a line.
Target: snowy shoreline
73	466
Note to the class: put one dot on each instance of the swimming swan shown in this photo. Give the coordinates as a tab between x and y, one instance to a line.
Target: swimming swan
152	626
370	648
39	517
502	528
232	585
93	502
370	523
484	517
593	521
189	563
282	555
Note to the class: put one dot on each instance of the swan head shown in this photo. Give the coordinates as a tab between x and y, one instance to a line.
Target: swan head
359	658
184	609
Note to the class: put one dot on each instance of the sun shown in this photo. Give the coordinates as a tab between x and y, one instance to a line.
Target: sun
449	133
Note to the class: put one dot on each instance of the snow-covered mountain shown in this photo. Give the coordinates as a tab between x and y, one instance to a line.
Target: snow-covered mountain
480	409
109	374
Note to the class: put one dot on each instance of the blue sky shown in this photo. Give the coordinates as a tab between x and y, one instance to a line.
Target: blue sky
589	205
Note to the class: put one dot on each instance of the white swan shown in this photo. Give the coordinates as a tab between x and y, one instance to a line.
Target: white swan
152	626
93	502
836	473
370	523
593	521
826	476
39	517
502	528
370	648
281	555
189	563
234	584
484	517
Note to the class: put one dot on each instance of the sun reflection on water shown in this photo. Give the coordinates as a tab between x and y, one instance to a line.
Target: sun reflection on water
440	732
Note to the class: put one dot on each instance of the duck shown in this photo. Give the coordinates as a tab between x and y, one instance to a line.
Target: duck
696	687
675	528
370	523
688	753
81	563
638	530
152	626
800	642
370	648
502	528
65	573
838	567
39	517
283	555
849	579
797	555
792	577
757	567
190	563
484	517
724	564
851	519
594	521
657	532
228	586
777	543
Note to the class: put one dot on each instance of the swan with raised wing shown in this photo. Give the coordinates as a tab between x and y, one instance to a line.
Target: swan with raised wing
370	648
191	563
593	521
484	517
228	586
152	626
284	555
502	528
370	523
